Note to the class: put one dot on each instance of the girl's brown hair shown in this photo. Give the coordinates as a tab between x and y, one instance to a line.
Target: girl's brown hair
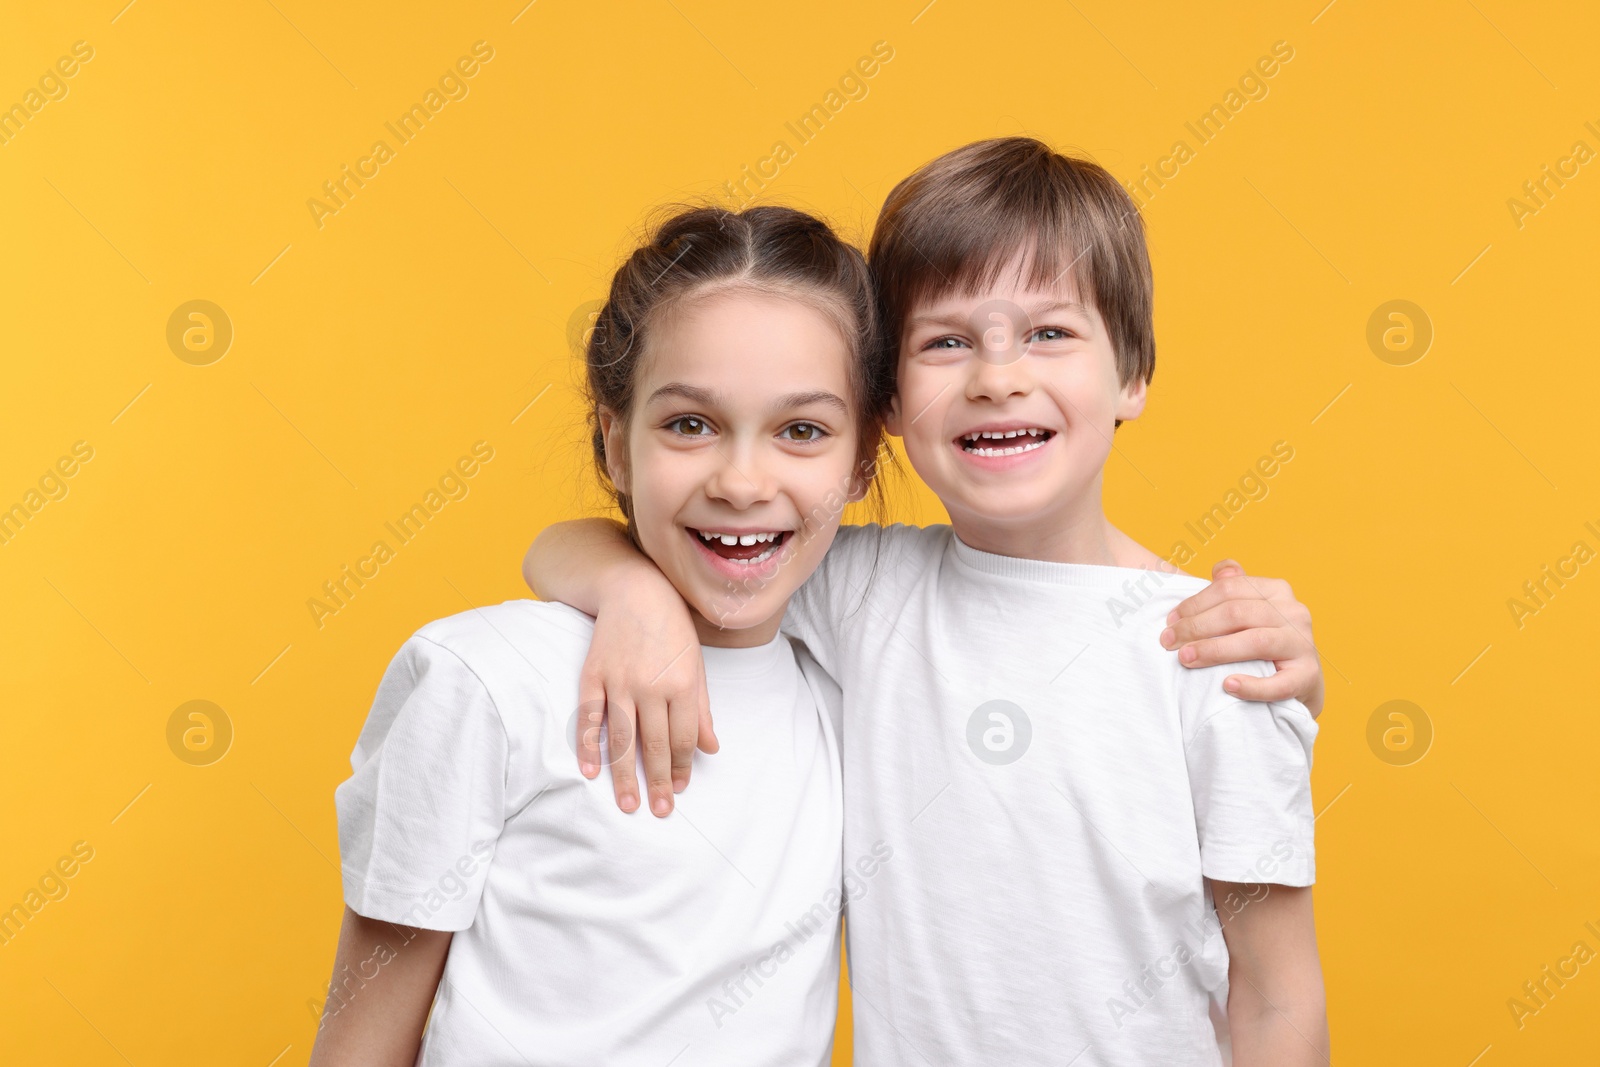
765	249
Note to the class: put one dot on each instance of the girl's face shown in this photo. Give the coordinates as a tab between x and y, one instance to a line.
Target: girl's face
740	455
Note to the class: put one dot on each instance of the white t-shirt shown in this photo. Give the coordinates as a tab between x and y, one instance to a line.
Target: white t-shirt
1055	788
585	935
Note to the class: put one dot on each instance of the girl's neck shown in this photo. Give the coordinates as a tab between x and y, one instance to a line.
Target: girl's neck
744	637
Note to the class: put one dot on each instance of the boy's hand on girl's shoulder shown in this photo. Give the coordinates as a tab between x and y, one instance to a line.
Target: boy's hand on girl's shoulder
1239	617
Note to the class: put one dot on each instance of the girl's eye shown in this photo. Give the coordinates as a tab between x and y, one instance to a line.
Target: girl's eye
689	426
804	431
1050	333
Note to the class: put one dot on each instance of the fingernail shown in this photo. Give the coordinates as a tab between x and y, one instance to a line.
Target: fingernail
1188	654
1172	616
589	770
1167	636
679	784
1231	685
629	803
659	805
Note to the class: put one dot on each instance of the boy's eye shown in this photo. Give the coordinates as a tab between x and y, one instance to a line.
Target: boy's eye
689	426
804	431
1050	333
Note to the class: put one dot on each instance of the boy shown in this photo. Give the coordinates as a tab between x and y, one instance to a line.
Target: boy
1070	817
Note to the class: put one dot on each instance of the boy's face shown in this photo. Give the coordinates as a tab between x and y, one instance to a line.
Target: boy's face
1007	402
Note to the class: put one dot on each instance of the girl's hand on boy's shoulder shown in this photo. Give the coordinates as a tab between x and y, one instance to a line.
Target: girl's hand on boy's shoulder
1239	617
645	670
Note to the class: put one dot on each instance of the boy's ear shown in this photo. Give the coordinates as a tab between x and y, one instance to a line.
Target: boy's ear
1130	402
611	432
891	418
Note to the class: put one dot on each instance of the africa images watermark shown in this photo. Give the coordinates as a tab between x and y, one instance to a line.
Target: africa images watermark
821	918
1251	86
1252	486
341	589
53	885
452	885
451	86
1552	578
51	87
52	486
1538	992
1538	191
851	86
1141	990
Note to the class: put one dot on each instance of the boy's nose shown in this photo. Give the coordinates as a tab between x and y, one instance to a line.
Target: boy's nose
998	380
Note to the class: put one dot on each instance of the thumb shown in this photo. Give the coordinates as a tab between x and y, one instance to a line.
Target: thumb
1225	568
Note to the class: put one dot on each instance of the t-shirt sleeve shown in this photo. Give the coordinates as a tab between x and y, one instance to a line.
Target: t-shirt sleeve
1250	777
419	818
862	577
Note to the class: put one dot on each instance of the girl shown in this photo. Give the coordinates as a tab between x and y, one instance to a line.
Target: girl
736	384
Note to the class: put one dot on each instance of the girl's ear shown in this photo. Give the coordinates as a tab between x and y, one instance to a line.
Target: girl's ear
611	431
1130	402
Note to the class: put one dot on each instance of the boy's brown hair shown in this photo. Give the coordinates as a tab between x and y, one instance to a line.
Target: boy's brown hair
960	220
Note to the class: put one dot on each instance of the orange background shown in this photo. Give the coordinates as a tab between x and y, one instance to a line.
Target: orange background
434	309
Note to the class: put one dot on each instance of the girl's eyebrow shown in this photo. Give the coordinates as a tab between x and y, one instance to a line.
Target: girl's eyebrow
816	396
692	393
695	394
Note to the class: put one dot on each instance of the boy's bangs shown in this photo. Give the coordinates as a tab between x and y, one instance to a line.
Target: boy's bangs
972	255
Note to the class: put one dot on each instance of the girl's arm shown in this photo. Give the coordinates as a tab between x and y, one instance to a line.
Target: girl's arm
1277	1011
644	666
384	980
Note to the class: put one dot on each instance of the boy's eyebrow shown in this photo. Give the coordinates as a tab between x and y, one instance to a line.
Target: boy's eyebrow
695	394
954	319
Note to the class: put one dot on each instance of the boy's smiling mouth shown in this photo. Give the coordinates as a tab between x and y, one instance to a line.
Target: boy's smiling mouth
1007	441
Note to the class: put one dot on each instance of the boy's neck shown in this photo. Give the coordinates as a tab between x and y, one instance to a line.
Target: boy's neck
1076	532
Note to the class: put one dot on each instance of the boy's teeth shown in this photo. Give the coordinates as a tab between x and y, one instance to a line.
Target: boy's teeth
1001	435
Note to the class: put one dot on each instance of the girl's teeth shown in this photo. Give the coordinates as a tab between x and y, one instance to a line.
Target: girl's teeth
767	553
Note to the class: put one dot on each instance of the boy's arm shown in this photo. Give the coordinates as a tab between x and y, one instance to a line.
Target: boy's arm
643	668
1238	617
384	980
1277	1010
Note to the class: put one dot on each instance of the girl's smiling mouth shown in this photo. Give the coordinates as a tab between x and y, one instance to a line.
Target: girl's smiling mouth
738	553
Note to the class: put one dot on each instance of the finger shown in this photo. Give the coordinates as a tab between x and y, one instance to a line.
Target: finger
591	713
1234	587
1226	568
708	732
1231	648
1230	616
655	744
683	726
1279	687
620	725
